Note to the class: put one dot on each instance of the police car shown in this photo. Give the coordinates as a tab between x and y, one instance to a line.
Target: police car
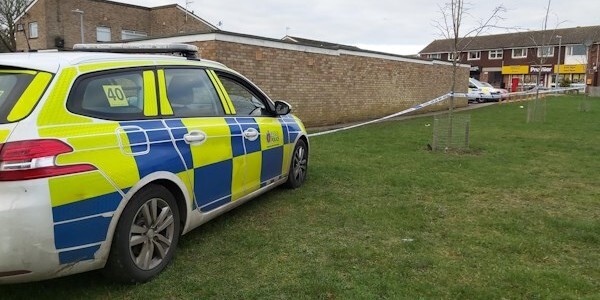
482	91
107	158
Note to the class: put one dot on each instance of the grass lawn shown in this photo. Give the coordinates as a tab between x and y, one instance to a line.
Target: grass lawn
382	217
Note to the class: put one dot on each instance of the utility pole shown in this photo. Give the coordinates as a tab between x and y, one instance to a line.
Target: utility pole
559	37
80	12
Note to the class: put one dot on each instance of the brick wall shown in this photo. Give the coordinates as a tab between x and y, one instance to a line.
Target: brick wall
592	68
331	89
39	11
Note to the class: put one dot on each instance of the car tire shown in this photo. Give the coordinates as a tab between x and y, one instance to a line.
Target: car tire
298	165
146	236
480	100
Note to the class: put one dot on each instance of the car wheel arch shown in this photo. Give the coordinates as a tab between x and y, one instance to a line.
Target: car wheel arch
305	139
171	182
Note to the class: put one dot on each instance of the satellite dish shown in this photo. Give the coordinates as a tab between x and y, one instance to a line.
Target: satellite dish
588	42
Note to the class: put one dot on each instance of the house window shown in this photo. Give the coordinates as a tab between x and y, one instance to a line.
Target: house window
495	54
576	50
33	30
451	56
132	34
434	56
474	55
547	51
103	34
519	53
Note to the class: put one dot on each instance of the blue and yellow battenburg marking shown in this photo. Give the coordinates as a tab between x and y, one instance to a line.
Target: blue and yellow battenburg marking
222	169
83	204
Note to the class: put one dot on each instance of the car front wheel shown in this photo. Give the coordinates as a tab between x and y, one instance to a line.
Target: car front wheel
298	166
146	236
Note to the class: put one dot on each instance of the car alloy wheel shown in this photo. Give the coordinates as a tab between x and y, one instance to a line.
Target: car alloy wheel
151	234
299	164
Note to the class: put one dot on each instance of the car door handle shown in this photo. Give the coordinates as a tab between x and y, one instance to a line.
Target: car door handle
194	137
251	134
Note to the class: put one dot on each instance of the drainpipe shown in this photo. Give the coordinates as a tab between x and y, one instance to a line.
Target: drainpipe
596	69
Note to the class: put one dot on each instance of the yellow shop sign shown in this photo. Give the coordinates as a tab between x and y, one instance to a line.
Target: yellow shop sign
570	69
513	70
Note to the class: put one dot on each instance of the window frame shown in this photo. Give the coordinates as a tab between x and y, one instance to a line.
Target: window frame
451	54
569	50
478	56
524	55
98	35
79	110
434	56
541	54
37	30
135	33
496	52
251	87
203	69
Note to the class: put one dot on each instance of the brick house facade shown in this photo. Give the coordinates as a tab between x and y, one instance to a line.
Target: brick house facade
512	60
332	84
52	24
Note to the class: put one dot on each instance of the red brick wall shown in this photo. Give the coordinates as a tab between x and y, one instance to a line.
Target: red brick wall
39	11
327	89
593	68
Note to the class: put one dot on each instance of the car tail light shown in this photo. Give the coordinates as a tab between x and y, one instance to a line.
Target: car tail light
33	159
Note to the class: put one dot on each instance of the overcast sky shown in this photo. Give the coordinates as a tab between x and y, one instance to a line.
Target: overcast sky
395	26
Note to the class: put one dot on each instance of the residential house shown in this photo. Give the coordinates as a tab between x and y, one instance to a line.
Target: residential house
514	60
59	24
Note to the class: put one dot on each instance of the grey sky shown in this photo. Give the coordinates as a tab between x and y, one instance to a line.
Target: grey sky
402	27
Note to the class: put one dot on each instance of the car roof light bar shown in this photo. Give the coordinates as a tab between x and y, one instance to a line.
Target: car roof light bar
188	51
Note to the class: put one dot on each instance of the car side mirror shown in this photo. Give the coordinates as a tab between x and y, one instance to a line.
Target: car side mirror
282	108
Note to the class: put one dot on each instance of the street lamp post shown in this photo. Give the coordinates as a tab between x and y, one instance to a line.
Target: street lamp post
80	12
559	37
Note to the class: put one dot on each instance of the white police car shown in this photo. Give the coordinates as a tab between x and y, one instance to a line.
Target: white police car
483	92
106	159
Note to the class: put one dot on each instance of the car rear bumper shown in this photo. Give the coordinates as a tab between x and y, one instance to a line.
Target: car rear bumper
27	250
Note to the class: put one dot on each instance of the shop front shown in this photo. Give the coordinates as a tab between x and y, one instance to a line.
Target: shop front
525	77
573	74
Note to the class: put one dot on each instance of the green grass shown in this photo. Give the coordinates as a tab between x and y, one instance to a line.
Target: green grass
381	217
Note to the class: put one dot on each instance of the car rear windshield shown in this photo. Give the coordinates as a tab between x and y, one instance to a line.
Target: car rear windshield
12	86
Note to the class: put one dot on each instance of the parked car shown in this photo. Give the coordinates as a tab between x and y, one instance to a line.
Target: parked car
106	159
483	92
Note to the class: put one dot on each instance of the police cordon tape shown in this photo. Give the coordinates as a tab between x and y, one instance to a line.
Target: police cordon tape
530	92
414	108
434	101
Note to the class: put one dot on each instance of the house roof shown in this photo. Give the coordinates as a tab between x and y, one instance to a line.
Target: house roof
285	43
575	35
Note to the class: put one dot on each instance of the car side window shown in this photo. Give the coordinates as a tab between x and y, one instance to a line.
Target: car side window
245	102
113	96
192	94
